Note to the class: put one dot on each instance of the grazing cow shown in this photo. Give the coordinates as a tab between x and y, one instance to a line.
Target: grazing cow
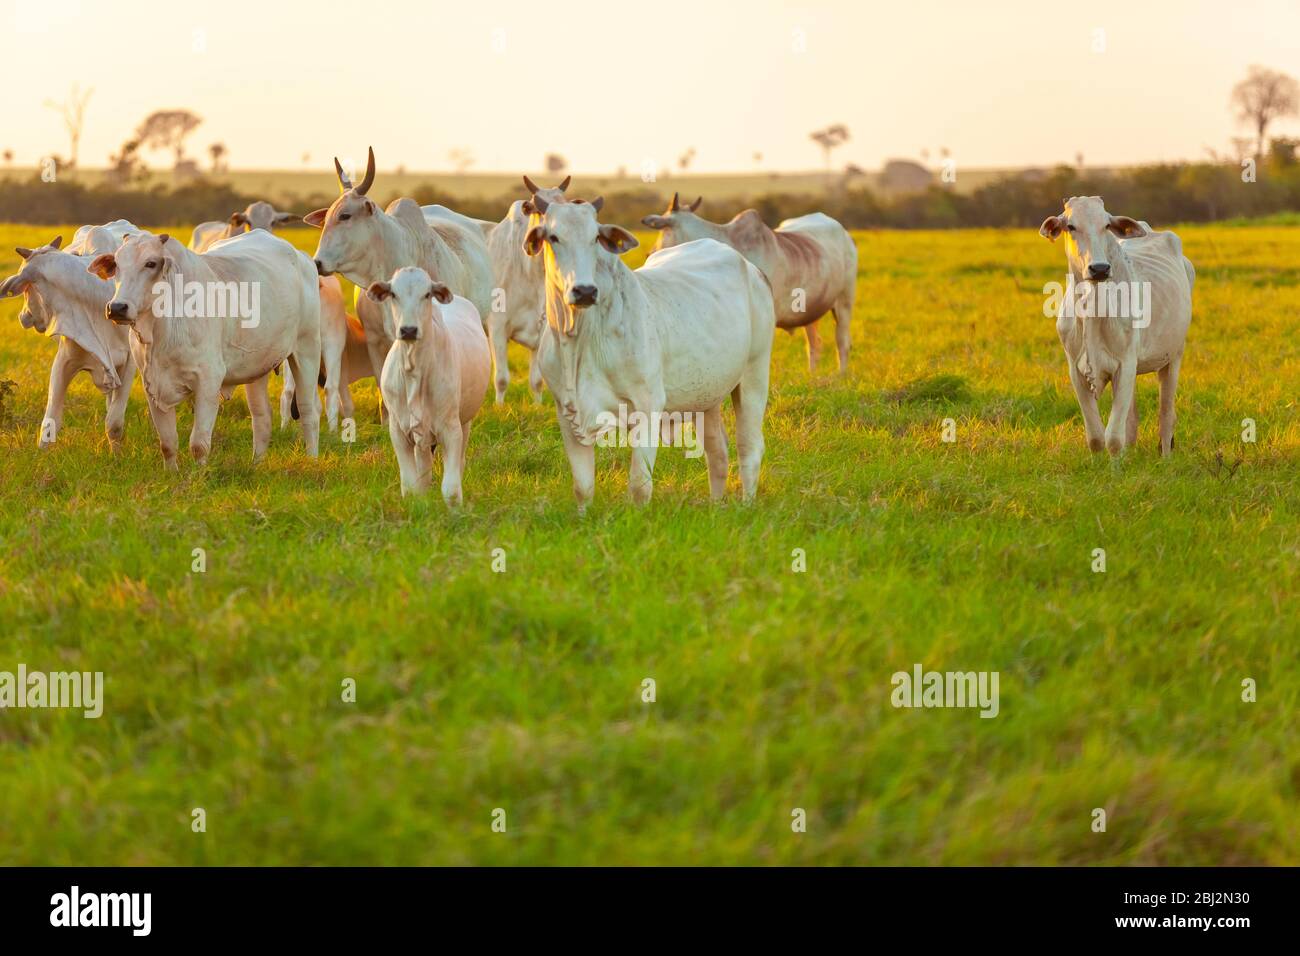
434	379
202	323
811	262
522	280
258	215
680	334
367	245
62	300
343	357
1130	318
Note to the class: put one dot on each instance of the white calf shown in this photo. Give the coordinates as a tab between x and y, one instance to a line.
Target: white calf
434	379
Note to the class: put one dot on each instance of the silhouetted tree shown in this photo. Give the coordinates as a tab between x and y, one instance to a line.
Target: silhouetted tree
73	112
167	129
1264	96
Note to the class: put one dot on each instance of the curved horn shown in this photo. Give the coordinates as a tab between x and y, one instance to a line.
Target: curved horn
344	183
695	205
58	241
540	204
674	205
370	173
530	185
23	252
597	203
565	185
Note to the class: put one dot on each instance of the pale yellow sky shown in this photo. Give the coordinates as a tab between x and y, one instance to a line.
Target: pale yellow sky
610	83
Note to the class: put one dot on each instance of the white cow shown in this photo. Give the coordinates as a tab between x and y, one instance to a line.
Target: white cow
258	215
1130	316
344	358
434	379
680	334
62	300
202	323
811	262
522	281
367	245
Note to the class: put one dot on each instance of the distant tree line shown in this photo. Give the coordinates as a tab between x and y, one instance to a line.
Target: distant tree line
1162	194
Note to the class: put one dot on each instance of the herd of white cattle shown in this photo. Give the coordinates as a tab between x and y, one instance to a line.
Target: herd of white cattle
439	296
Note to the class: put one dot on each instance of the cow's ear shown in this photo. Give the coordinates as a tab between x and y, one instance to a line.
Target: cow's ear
238	219
528	207
533	241
316	217
654	222
379	291
617	239
12	286
1051	227
1126	228
441	293
104	266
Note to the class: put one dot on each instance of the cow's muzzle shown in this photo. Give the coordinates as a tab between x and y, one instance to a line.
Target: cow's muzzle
408	333
118	312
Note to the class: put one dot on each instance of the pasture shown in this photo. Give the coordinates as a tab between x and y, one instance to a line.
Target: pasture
521	689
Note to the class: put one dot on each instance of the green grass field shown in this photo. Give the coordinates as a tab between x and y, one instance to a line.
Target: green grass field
522	690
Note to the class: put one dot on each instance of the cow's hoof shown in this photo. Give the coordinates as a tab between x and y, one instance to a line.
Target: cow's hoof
1096	444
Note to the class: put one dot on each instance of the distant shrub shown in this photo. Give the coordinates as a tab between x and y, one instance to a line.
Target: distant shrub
1160	194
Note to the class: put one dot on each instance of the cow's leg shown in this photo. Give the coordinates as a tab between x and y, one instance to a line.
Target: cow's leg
641	466
452	439
164	423
1168	387
371	316
1092	426
499	340
405	452
333	340
62	370
750	401
1131	425
814	345
286	396
115	402
304	362
842	310
535	375
1121	389
345	401
259	412
715	451
207	401
582	462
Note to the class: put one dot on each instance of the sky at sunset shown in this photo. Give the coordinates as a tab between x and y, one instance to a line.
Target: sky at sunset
617	84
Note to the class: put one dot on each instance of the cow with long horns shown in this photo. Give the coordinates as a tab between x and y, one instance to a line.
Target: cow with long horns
367	244
520	313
